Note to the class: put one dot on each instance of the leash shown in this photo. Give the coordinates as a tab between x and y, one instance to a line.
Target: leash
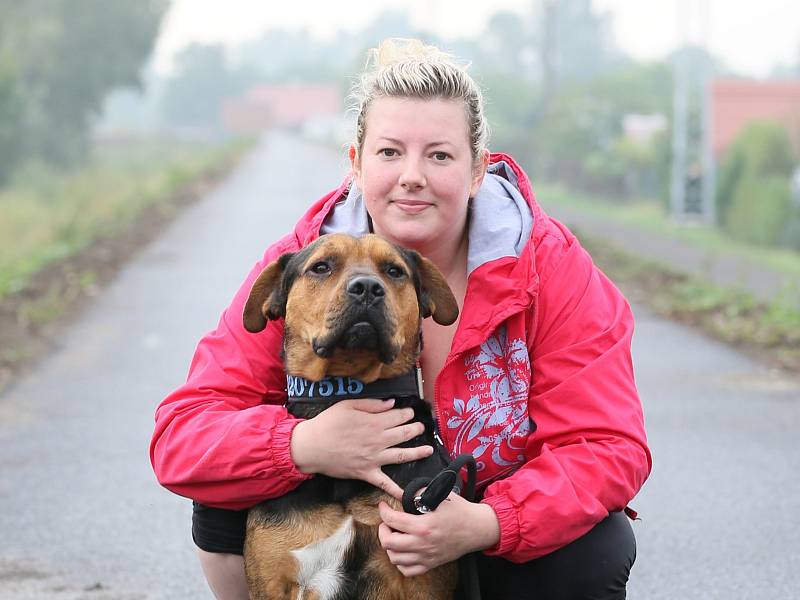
436	490
439	487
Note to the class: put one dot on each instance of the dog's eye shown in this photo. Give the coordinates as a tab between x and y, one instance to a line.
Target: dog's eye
320	268
395	272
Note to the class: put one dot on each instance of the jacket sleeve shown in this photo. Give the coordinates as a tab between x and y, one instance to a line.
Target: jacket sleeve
588	455
223	437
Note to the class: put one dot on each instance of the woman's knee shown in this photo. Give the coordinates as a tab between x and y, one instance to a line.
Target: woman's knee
606	555
596	566
219	537
225	574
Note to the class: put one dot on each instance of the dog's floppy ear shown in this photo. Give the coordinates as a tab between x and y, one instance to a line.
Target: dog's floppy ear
435	297
267	300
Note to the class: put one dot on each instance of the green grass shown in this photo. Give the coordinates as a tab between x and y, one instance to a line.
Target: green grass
771	328
649	215
46	215
733	315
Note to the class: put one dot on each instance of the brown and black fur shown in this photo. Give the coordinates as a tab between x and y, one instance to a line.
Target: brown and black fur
331	328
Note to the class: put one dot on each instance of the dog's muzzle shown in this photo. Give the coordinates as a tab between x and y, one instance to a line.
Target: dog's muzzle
363	323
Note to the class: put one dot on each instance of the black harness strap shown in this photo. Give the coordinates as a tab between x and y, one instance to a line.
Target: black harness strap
330	390
436	490
316	396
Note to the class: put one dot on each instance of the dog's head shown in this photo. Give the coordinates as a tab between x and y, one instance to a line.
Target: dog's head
351	306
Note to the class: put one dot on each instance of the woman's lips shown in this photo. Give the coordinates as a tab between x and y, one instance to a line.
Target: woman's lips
411	207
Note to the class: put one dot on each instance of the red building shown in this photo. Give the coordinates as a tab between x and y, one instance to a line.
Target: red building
737	103
281	105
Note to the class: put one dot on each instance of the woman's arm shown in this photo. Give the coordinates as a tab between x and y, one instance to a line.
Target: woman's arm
223	437
589	453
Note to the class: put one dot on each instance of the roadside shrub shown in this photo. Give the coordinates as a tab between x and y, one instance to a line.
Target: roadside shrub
762	150
11	108
791	233
759	210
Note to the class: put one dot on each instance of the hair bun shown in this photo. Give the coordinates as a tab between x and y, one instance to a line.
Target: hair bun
397	50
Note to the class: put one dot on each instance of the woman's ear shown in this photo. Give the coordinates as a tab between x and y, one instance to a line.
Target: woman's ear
478	173
355	163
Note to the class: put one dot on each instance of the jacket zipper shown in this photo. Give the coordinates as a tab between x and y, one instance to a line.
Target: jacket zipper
436	419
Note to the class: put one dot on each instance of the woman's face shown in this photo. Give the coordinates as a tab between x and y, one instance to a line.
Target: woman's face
416	171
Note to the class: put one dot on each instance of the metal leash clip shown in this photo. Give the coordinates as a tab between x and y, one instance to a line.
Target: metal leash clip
420	505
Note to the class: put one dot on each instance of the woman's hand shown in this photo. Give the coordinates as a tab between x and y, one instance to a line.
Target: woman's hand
417	543
352	440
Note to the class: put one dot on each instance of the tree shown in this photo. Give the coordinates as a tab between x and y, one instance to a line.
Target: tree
574	47
508	46
11	109
194	94
580	140
61	58
754	194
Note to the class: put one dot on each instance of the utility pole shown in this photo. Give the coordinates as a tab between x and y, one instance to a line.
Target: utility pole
548	55
692	188
680	117
709	202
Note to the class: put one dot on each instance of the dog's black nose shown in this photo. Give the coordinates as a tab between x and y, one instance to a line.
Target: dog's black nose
366	289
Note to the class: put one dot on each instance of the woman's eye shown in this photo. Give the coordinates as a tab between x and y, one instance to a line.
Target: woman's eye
388	152
320	268
395	272
440	156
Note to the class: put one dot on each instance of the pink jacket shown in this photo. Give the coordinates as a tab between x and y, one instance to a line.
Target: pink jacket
538	386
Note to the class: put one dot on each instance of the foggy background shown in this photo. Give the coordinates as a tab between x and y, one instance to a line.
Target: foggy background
666	134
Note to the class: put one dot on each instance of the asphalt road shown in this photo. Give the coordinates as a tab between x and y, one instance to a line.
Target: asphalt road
81	516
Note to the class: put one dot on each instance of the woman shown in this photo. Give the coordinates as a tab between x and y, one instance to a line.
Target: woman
535	379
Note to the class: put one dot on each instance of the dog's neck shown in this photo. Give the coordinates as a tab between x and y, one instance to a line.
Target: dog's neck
306	399
302	360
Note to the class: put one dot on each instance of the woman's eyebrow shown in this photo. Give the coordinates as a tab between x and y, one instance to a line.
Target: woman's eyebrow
390	140
428	145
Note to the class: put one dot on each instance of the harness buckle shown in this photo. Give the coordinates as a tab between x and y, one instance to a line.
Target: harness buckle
418	504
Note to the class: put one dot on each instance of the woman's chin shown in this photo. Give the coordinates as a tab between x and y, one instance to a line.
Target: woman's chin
417	234
413	237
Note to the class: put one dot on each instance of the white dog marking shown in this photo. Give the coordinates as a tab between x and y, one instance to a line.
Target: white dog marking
321	563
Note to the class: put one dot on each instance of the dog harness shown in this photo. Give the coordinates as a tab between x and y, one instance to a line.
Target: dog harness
330	390
316	396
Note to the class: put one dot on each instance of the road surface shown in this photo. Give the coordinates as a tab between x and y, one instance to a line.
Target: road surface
81	516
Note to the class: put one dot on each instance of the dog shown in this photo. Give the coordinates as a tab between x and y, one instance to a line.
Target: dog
352	310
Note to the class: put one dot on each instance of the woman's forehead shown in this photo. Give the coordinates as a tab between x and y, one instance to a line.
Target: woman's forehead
410	119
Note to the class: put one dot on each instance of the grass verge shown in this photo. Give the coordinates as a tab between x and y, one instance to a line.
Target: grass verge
770	330
78	229
48	216
649	215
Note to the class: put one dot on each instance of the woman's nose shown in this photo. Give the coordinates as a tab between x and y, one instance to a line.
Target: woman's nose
412	177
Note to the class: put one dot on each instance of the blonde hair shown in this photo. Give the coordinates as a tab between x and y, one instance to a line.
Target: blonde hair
407	68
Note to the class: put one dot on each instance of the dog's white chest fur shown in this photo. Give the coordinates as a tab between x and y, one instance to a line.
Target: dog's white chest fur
321	564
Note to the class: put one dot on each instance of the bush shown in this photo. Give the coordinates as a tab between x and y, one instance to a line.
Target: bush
759	210
11	110
761	150
791	233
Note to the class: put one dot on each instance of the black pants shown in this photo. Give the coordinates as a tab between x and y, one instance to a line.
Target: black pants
593	567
